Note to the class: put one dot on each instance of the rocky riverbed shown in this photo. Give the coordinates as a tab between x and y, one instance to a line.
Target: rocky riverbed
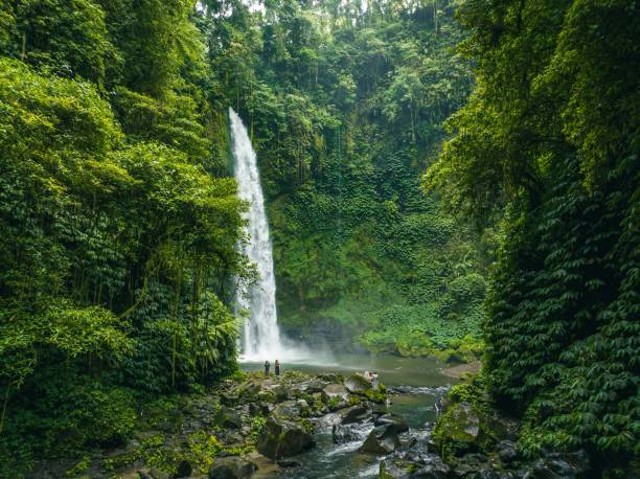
260	427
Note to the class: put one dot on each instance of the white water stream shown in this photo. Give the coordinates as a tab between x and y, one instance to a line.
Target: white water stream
261	339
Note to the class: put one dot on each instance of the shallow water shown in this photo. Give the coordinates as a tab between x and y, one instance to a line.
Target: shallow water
328	460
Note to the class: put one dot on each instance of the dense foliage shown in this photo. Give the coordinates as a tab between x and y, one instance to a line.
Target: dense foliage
549	140
117	241
345	103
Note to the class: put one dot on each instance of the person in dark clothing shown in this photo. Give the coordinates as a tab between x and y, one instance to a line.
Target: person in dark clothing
267	366
277	368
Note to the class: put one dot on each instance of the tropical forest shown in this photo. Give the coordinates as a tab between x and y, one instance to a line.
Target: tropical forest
312	239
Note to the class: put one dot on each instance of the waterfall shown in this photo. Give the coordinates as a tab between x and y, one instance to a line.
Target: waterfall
261	339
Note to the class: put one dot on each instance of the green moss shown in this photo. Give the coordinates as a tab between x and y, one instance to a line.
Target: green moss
379	396
80	467
201	450
334	403
451	435
257	424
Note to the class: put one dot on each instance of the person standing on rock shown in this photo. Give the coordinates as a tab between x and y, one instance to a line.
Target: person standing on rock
277	368
267	366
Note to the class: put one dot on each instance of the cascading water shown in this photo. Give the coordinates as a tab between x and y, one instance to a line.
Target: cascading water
261	339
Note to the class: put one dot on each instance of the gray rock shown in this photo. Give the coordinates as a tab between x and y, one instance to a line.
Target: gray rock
393	421
355	414
382	440
343	433
470	465
232	468
459	429
328	420
507	451
313	386
335	396
357	384
559	466
287	409
157	474
228	418
395	468
184	470
281	438
288	463
434	468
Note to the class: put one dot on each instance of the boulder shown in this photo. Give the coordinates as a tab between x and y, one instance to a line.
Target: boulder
353	414
357	384
248	390
287	409
335	396
507	451
395	468
432	468
184	470
282	438
157	474
382	440
393	421
228	418
458	430
559	466
232	468
343	433
312	387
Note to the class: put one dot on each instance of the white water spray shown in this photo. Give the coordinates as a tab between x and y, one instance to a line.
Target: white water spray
261	338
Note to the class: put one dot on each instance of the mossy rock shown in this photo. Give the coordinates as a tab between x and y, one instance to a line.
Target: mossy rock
232	468
357	384
458	430
228	418
395	468
382	440
281	438
335	396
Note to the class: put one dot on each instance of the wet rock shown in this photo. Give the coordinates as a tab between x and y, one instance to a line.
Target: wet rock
228	418
287	409
357	384
382	440
335	396
459	429
281	438
395	468
357	413
394	422
559	466
348	433
507	451
330	377
498	426
328	420
288	463
184	470
313	386
470	465
232	468
266	397
157	474
433	468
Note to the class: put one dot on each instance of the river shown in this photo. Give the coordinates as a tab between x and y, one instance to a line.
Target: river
425	383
